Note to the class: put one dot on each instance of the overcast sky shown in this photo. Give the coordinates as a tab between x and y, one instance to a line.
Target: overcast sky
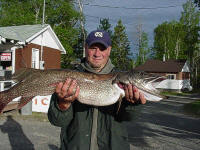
149	13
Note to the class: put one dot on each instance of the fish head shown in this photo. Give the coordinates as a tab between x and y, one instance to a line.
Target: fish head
145	82
131	77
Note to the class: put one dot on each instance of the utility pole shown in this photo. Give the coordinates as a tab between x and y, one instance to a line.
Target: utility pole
43	15
42	48
82	25
139	35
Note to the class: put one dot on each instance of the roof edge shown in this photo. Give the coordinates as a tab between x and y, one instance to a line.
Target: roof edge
62	49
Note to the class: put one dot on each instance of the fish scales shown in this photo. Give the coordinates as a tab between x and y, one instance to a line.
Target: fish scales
97	90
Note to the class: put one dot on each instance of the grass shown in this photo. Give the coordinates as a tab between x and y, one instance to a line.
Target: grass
176	93
16	115
197	90
193	108
182	93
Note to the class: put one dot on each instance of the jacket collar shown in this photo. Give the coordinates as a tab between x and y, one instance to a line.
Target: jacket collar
107	68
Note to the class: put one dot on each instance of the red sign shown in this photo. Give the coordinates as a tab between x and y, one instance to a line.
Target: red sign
5	56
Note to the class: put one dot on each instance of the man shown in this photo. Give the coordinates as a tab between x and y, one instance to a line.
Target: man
85	127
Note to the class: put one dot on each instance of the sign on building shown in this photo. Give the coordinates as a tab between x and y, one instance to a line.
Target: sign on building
5	56
41	103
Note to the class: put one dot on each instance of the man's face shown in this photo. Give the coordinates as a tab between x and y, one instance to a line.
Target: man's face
97	55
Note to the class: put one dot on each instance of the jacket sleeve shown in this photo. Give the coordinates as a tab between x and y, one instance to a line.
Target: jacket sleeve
57	116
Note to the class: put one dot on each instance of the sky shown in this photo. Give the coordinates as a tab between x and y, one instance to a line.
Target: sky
149	13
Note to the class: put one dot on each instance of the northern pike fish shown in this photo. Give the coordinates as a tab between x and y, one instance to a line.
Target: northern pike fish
97	90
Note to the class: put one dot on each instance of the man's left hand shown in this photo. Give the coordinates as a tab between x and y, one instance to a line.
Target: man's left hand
133	95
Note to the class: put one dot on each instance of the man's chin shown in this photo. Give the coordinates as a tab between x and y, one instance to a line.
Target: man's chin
96	66
97	63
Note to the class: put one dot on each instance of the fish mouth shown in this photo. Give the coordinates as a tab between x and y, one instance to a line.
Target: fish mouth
150	92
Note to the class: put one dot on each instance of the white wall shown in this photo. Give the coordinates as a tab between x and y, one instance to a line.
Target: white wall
186	67
174	84
41	103
47	40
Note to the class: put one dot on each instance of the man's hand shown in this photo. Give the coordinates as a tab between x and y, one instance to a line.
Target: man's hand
67	92
133	95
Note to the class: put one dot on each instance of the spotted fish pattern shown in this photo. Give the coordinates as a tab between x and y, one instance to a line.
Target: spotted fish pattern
95	89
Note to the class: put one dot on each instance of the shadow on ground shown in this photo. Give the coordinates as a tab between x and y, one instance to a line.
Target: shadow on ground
17	138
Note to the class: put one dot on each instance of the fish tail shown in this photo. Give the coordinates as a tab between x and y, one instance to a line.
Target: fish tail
5	98
2	106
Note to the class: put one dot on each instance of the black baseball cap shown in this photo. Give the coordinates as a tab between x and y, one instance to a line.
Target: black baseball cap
98	36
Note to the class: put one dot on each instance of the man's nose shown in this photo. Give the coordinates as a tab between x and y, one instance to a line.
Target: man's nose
97	52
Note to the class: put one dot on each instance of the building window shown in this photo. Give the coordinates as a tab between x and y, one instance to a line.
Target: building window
35	58
171	76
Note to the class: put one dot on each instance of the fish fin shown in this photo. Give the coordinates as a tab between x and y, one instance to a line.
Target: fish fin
24	101
120	102
151	97
10	106
22	73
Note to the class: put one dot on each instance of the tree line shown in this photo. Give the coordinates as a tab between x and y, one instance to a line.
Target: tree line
172	40
180	40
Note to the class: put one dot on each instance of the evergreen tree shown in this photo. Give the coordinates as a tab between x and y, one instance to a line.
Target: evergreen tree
105	25
121	54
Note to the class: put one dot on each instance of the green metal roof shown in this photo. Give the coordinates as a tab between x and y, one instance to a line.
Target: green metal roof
21	33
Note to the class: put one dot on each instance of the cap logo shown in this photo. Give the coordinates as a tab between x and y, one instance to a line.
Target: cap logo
98	34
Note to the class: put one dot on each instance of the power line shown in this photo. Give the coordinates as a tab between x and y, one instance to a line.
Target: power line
107	6
118	7
97	17
113	20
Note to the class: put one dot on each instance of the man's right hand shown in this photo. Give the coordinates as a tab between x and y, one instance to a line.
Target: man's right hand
67	92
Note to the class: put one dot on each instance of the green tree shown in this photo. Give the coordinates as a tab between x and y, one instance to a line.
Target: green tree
190	19
197	2
105	25
143	49
169	41
78	47
121	54
16	13
179	45
60	14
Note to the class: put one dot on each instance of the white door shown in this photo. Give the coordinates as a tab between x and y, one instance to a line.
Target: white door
35	58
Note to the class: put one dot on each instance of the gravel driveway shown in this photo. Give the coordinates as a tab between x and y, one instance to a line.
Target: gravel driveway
155	126
27	132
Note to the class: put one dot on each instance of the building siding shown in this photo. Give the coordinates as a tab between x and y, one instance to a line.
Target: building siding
51	57
179	76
